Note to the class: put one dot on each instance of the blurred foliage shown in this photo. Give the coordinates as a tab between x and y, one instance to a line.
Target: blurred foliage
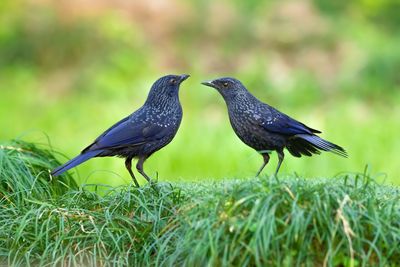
383	13
72	68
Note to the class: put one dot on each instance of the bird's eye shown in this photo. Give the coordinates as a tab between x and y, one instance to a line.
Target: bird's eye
172	81
225	84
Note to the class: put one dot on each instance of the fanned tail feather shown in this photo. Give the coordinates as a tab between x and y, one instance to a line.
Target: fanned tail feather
74	162
306	144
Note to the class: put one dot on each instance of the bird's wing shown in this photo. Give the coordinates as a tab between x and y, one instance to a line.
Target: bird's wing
278	122
127	132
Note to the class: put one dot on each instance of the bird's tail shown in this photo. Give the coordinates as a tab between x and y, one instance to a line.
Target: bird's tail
313	143
74	162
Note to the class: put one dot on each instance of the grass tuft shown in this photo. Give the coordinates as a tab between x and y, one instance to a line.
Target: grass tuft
25	173
348	220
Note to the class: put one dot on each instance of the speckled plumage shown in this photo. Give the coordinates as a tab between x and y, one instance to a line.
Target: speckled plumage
265	129
139	135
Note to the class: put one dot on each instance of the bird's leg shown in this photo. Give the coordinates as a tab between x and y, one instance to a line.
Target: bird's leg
281	156
139	167
128	165
266	159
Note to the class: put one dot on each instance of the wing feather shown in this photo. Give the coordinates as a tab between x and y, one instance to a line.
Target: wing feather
128	132
278	122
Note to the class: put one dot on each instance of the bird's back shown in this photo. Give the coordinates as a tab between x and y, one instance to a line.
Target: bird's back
261	126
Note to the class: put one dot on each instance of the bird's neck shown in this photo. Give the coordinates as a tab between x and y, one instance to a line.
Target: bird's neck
170	102
241	102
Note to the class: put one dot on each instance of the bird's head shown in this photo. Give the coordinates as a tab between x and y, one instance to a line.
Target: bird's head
165	88
169	83
227	87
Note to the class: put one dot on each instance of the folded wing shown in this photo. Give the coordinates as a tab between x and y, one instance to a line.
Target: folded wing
280	123
128	132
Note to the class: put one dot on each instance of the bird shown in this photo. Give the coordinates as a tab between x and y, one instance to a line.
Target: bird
266	129
140	134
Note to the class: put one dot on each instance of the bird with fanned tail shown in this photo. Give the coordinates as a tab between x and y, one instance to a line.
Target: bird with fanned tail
266	129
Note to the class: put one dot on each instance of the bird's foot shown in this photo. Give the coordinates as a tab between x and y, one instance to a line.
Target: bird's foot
136	184
152	182
276	178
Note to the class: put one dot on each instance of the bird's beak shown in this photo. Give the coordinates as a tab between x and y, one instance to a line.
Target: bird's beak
209	83
184	77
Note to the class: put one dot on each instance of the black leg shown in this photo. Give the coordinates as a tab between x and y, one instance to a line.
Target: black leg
280	157
128	165
266	159
139	167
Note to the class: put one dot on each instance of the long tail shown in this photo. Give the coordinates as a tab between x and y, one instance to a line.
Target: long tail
74	162
306	144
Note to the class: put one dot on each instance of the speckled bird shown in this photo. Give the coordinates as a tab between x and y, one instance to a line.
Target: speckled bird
142	133
266	129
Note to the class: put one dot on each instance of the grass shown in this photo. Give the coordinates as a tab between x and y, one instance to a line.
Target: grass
349	220
24	172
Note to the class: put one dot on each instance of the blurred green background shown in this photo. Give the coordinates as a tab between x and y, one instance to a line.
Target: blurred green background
69	69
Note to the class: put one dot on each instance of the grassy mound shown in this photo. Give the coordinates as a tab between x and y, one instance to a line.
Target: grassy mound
349	220
24	172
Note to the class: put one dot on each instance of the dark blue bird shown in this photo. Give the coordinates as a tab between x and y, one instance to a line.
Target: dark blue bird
265	129
139	135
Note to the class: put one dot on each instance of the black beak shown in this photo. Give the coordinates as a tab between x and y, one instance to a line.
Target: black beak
209	83
184	77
